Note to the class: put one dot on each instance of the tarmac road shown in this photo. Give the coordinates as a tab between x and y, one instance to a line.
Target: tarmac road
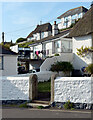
43	113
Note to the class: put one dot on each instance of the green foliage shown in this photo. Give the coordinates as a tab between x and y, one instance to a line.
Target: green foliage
26	44
56	54
7	45
44	86
23	105
68	105
90	68
62	66
83	51
21	40
40	107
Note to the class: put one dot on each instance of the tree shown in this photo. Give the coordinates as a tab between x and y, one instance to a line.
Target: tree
21	40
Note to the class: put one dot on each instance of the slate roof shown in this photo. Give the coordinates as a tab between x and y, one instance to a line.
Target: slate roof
84	26
73	11
4	50
64	32
41	28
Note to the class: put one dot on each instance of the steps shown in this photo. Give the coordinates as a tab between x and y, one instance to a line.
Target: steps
37	103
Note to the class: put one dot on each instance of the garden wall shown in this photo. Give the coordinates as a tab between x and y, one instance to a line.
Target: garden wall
15	88
75	89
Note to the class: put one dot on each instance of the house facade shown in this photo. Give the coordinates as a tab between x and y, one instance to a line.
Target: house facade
55	43
8	62
71	16
82	35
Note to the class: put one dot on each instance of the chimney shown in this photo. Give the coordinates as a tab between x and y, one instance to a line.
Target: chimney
54	29
2	37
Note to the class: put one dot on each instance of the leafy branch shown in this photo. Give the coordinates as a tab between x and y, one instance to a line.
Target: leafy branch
84	51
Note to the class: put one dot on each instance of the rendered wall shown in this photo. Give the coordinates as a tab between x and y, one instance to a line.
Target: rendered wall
49	61
9	65
75	89
78	42
15	88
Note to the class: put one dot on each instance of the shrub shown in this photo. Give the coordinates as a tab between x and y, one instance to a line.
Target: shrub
40	107
21	40
90	68
62	66
56	54
68	105
23	105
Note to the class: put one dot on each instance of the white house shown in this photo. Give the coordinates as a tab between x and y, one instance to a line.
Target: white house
55	43
71	16
8	62
82	35
41	31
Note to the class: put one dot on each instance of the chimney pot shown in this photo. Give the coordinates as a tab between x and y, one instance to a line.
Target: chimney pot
54	22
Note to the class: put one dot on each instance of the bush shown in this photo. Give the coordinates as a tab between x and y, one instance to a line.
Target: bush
68	105
90	68
56	54
40	107
21	40
62	66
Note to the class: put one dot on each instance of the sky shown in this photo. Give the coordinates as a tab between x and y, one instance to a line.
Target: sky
20	18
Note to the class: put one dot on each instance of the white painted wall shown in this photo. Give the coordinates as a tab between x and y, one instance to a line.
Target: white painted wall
78	42
14	48
75	89
37	36
15	88
10	65
46	65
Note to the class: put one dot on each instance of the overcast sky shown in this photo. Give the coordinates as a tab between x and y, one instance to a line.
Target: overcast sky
20	18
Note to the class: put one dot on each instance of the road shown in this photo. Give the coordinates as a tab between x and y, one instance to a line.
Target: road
44	113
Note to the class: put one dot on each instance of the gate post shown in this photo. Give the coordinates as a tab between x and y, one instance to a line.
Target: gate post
53	77
33	87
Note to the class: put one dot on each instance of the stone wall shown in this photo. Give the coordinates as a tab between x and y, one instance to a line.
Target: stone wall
75	89
15	88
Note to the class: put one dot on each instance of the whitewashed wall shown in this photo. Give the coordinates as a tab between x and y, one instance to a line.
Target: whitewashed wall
78	42
46	65
15	88
14	48
75	89
9	65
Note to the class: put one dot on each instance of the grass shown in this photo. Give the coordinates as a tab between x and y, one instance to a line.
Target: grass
44	86
23	105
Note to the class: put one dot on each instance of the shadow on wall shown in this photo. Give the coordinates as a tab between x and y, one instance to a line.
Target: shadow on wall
14	90
78	63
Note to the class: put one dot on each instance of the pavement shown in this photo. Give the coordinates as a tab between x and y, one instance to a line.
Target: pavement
9	112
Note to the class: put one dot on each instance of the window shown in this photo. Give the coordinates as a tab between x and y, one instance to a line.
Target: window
1	62
42	35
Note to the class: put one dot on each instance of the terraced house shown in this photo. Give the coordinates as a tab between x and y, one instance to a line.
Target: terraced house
48	40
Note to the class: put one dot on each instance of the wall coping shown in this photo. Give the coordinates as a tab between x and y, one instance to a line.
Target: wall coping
73	78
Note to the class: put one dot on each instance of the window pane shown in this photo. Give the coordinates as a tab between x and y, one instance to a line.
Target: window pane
1	62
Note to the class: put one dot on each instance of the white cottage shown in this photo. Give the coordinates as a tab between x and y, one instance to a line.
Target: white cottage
70	16
8	62
82	35
55	43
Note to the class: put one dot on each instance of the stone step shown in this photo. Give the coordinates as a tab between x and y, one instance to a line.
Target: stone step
35	105
41	102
